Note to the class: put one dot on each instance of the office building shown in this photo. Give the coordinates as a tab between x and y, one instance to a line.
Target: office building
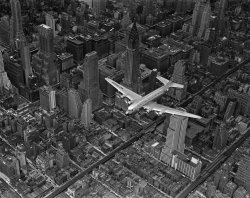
65	23
189	166
230	110
47	98
16	19
15	73
5	84
5	31
66	61
205	20
51	22
76	47
181	7
98	6
217	65
221	100
86	115
44	63
243	174
62	100
220	22
90	83
21	156
220	137
107	89
201	18
175	139
26	60
62	158
153	80
131	71
74	104
179	77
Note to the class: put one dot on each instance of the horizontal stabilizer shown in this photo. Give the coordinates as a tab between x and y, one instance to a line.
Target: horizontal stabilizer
163	80
176	85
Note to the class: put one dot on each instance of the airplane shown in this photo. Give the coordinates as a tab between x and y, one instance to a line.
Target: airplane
137	101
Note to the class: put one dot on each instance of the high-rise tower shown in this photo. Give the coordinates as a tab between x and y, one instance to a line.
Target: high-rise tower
16	18
179	77
18	38
44	61
221	17
205	20
200	13
98	6
131	77
175	139
90	84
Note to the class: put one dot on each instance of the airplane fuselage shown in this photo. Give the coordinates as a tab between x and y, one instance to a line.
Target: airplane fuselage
139	103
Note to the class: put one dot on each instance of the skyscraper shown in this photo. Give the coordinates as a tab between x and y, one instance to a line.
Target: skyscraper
26	60
5	83
175	138
86	114
98	6
179	77
200	18
18	38
74	104
243	174
220	137
131	76
90	83
17	18
44	61
221	17
205	20
47	98
51	22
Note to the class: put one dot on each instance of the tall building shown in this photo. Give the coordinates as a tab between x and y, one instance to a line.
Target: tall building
179	77
5	31
5	83
74	104
98	6
201	18
51	22
16	18
47	98
220	137
181	6
191	167
65	22
90	83
221	17
205	20
86	114
25	60
131	72
44	62
18	38
175	138
21	156
243	174
62	157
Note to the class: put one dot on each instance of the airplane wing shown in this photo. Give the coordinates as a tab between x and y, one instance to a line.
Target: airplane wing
171	84
153	106
125	91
